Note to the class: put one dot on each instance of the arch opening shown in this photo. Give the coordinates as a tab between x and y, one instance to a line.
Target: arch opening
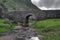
29	20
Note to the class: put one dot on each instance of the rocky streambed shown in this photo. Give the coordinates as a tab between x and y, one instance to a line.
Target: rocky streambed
20	34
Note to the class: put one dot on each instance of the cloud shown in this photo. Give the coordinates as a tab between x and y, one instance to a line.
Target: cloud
36	2
47	4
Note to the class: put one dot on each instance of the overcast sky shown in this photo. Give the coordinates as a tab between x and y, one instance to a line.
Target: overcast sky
47	4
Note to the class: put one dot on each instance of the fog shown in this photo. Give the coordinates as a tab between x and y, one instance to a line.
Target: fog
47	4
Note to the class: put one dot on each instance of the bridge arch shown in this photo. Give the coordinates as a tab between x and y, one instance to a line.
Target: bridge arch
29	16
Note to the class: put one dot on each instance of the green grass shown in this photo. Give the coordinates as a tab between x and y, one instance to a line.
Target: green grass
5	27
50	28
50	24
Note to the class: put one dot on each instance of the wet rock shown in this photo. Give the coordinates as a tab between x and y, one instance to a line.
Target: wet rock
23	33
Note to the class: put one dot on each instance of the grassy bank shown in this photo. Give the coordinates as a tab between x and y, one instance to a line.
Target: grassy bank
5	27
49	28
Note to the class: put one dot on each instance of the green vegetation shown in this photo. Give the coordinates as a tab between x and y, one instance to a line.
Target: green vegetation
50	28
49	25
5	27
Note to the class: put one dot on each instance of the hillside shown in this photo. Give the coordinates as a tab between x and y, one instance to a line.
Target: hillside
22	5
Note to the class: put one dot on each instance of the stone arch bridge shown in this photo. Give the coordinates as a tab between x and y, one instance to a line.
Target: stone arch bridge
21	16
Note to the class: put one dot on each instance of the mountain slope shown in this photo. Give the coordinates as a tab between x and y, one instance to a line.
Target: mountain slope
22	5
